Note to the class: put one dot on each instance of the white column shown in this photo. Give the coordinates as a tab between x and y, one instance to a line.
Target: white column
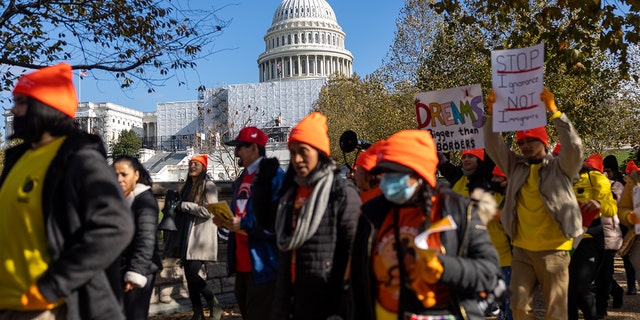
290	67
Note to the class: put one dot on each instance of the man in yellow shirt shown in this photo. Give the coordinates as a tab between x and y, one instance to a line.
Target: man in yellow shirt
541	213
64	220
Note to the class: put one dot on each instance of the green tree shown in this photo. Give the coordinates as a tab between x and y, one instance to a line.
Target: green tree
573	30
436	51
128	144
364	106
128	39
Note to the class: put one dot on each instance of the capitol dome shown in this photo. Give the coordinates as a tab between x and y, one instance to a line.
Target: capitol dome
304	41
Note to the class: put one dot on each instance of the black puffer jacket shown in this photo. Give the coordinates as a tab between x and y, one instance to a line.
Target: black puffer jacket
88	224
321	260
141	256
475	270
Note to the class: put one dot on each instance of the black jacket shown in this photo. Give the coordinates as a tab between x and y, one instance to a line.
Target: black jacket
321	261
88	225
476	270
480	178
141	256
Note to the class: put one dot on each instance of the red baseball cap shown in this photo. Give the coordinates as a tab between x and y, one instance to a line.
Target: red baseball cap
249	135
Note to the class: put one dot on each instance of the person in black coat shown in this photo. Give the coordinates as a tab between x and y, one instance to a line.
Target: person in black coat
400	272
64	221
315	224
140	260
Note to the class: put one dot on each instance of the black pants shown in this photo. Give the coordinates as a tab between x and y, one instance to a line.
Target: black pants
136	301
605	284
196	285
255	301
585	263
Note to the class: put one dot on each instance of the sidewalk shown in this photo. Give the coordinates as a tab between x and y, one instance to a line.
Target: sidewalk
184	305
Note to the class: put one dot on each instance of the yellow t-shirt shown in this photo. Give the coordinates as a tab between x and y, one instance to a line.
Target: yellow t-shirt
24	255
461	186
536	229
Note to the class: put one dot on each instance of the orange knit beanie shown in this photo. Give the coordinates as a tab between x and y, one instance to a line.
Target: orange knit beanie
312	130
202	158
367	159
497	172
539	133
52	86
594	161
413	149
478	153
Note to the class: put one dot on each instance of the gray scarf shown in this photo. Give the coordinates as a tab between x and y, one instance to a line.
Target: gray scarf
311	212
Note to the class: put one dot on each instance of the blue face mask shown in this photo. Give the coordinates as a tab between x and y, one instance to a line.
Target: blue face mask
396	188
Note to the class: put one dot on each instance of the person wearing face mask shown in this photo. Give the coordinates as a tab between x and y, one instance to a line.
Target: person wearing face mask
390	276
315	224
140	260
499	239
541	214
64	221
474	171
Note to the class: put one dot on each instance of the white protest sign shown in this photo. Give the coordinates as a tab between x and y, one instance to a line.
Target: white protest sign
453	116
517	77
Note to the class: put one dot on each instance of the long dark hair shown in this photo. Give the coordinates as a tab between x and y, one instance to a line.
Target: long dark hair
145	177
191	191
41	118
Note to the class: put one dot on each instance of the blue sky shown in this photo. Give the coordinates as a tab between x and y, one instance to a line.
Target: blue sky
369	26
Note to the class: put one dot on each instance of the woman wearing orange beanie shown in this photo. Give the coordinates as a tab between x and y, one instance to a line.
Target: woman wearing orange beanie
196	240
315	224
392	276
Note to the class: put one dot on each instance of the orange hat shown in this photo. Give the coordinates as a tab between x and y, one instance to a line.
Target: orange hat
498	172
409	149
631	167
202	158
52	86
539	133
367	159
556	149
312	130
478	153
594	161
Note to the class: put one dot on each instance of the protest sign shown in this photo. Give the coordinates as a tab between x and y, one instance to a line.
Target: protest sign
453	116
517	76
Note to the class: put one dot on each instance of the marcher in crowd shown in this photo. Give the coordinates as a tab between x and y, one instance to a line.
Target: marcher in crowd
64	221
604	282
500	240
315	226
541	214
140	260
612	171
629	218
473	171
391	279
196	240
593	192
368	183
252	252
